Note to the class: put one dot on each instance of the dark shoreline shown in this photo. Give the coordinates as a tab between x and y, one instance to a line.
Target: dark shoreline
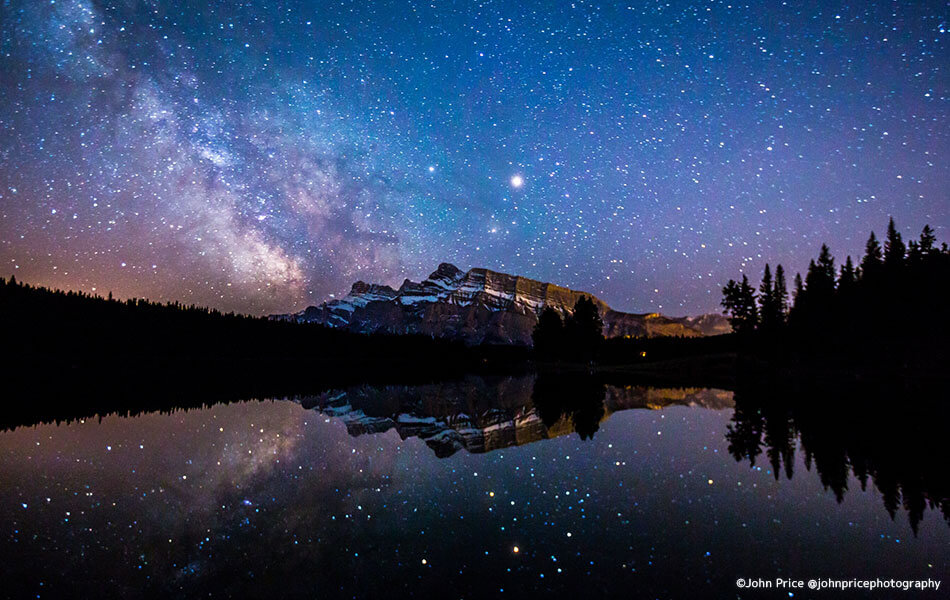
77	355
52	391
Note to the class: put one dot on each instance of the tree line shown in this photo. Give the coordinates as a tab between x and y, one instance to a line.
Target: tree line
898	446
892	303
52	327
575	336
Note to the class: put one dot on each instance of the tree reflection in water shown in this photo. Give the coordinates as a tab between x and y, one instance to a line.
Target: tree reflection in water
894	438
576	398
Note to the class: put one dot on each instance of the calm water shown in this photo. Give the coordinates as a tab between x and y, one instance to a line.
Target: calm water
481	488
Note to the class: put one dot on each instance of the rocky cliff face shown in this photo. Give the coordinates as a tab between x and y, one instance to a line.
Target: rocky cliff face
482	306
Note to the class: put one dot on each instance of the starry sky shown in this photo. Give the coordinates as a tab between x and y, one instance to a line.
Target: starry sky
262	156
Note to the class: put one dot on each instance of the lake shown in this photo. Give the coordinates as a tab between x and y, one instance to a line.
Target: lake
483	487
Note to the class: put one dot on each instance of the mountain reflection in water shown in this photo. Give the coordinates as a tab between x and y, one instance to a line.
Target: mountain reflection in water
481	415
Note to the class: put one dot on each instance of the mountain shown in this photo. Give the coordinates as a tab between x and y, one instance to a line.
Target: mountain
483	306
709	324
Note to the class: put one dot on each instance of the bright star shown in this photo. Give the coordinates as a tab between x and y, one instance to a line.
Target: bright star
517	181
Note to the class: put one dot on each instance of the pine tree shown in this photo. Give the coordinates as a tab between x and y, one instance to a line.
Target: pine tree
928	241
826	270
740	303
730	302
769	310
848	276
748	301
798	299
813	307
585	329
873	258
548	334
894	249
812	280
781	294
913	252
765	288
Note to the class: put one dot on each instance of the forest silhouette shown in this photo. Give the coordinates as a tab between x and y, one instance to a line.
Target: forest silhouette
890	311
898	446
579	398
75	355
575	336
886	315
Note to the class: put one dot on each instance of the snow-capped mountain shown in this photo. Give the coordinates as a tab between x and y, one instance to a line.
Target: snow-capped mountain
482	306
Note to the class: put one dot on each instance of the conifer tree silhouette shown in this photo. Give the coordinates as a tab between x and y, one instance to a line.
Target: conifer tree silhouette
894	249
873	258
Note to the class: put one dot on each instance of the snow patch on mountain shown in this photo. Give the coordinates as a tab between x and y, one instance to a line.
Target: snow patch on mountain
482	306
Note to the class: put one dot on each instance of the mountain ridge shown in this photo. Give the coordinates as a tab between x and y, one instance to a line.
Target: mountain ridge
483	306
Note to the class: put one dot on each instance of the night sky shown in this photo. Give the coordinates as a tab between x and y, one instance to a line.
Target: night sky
262	156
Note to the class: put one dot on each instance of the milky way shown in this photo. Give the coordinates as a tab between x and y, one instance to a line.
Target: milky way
262	156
